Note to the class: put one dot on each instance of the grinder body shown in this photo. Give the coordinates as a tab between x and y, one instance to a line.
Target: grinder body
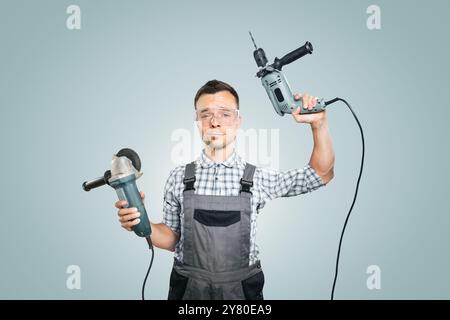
127	190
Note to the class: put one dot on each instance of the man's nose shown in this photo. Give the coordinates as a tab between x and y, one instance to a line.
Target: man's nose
214	122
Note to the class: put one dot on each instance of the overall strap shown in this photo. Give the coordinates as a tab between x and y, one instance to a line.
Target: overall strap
247	178
189	176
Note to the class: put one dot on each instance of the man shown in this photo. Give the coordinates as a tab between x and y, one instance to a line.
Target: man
211	205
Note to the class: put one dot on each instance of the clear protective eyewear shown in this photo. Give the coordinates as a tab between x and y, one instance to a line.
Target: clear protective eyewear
224	116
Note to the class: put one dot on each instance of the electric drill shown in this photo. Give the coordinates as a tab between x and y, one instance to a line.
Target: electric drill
276	84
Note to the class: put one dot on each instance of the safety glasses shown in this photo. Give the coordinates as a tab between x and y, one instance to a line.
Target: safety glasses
224	116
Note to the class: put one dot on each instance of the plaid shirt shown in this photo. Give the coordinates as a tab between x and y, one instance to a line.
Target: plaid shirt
222	179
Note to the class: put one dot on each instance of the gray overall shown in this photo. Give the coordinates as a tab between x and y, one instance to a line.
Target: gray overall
216	246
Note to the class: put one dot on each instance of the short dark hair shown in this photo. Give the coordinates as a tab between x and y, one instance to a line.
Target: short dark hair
214	86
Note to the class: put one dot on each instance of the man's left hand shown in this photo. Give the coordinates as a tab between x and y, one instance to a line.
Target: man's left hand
315	119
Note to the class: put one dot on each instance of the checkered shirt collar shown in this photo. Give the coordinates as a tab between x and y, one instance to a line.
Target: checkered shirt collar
205	162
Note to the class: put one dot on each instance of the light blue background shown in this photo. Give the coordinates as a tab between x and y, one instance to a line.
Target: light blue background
70	99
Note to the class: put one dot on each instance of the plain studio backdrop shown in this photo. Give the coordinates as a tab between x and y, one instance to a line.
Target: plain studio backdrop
70	99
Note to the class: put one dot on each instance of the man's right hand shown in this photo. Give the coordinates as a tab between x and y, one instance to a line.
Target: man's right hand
128	217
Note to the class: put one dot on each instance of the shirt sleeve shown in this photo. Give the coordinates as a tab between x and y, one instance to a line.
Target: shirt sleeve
290	183
171	205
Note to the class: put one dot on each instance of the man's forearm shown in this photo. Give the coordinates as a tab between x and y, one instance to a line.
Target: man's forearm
163	237
322	157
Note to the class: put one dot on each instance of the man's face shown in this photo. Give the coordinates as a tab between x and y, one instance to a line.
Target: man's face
218	119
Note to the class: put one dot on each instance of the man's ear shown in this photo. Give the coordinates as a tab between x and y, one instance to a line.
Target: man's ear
239	121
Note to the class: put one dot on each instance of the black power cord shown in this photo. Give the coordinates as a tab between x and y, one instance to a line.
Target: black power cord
150	245
356	190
